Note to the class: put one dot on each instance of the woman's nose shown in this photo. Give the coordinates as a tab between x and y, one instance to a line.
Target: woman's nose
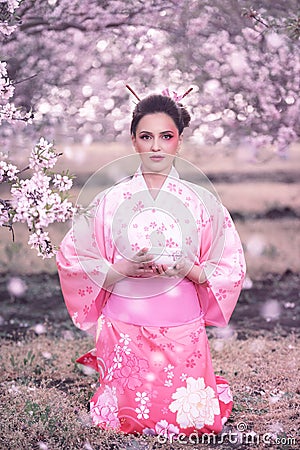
155	145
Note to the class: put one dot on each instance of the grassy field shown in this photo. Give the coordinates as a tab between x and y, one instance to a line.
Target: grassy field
45	393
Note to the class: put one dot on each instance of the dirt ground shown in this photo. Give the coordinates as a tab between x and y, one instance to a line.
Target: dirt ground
271	305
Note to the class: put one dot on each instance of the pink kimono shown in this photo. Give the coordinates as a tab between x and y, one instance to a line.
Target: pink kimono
151	348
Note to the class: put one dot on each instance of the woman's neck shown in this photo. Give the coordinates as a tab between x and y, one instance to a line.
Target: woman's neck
154	180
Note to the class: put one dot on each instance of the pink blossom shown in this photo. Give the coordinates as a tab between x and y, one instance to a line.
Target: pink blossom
172	187
190	363
62	182
139	206
127	195
222	57
41	242
188	240
3	71
221	294
12	4
4	217
8	172
170	243
43	155
135	247
7	29
34	203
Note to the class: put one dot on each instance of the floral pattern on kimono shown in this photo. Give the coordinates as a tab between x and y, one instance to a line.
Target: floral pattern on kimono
151	349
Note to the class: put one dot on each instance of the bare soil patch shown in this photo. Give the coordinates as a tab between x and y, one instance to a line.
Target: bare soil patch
271	304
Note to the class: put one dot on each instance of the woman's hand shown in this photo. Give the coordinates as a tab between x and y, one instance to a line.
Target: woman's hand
141	265
183	268
179	269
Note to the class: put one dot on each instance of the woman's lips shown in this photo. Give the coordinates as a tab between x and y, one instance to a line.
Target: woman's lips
157	158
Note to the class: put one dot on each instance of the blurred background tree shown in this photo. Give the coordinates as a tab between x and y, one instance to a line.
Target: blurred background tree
71	60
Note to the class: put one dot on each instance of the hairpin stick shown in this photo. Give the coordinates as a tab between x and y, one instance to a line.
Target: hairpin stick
132	91
187	92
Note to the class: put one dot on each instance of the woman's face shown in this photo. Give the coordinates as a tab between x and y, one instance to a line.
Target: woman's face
157	141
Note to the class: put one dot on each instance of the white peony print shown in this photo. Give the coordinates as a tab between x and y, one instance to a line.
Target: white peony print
196	404
105	411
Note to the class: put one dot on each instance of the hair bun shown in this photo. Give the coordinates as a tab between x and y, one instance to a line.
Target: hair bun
156	103
184	115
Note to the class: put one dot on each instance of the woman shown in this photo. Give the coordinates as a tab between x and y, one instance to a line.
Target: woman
158	259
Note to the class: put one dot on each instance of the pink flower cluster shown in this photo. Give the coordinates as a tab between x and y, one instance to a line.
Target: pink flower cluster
43	156
37	201
4	217
8	172
11	5
8	111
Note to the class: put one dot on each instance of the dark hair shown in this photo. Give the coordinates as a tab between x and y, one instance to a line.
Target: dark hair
156	103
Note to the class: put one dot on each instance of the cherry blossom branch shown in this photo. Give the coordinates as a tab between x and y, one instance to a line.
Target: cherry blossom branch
25	79
252	14
37	201
290	25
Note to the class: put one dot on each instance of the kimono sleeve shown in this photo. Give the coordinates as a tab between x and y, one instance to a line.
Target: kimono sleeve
83	262
222	259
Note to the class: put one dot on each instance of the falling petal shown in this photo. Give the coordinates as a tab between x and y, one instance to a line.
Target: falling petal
289	305
68	335
256	245
271	310
85	420
248	283
16	286
275	429
40	329
257	346
42	446
225	332
87	370
218	345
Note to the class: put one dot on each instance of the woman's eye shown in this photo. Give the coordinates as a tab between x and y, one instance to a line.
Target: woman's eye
145	137
167	136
